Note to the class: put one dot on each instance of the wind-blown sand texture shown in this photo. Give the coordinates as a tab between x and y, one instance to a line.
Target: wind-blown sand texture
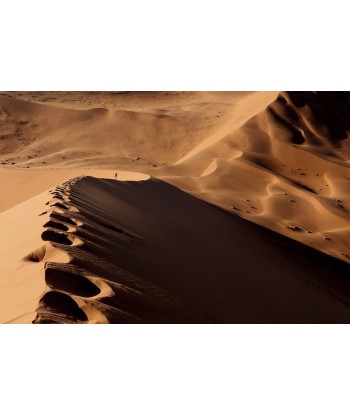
103	250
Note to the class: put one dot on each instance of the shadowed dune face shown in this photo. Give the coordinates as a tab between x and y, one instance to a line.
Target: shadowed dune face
36	256
60	308
286	168
179	259
56	225
277	159
280	160
57	237
330	111
314	117
73	283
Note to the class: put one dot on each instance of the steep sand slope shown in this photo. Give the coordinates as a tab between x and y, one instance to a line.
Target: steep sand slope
287	168
147	252
21	282
282	162
279	160
22	249
18	185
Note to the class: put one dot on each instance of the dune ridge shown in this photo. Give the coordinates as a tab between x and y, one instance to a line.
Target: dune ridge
93	287
279	160
265	156
138	253
286	168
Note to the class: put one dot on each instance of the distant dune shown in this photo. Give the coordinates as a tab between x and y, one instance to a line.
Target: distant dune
287	168
104	250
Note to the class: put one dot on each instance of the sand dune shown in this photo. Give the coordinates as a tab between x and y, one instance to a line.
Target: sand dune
23	250
139	133
280	160
148	252
17	185
287	168
21	282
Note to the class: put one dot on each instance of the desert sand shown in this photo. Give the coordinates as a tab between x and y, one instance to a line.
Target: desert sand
181	207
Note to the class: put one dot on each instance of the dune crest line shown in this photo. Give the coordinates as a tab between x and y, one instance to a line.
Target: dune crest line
90	288
147	252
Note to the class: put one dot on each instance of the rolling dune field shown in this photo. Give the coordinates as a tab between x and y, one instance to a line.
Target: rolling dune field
174	207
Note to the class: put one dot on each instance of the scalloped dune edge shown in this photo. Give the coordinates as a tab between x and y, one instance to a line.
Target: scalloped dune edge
146	252
280	160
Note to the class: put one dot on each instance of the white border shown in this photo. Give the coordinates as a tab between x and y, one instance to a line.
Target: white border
182	45
172	369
